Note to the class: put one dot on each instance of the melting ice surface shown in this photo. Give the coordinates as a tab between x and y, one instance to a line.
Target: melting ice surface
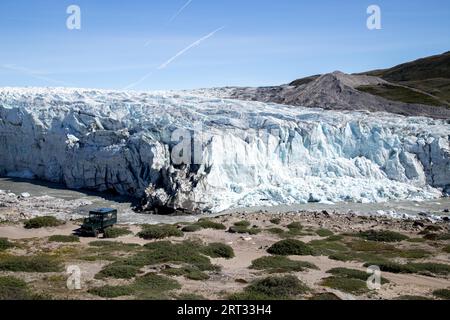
252	153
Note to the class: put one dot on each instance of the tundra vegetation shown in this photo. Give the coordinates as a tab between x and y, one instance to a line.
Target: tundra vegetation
160	260
42	222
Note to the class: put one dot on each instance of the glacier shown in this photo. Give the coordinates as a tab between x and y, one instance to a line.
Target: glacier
251	153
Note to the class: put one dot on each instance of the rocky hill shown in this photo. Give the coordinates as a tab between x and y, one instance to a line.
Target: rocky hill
420	88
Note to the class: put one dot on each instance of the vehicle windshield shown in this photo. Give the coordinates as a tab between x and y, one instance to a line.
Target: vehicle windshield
95	217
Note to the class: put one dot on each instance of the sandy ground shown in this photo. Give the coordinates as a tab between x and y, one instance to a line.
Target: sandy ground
235	273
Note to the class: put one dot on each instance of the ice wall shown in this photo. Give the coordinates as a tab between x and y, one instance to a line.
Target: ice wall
252	153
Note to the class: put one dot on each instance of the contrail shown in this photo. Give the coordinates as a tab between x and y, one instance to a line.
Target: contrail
180	53
31	73
180	11
172	19
196	43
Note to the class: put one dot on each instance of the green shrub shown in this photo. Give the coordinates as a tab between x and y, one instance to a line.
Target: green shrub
189	297
349	285
415	298
280	264
382	236
277	231
241	229
63	239
416	240
443	236
188	272
112	291
275	221
40	264
324	233
324	247
208	224
149	286
434	268
442	294
5	244
218	250
283	287
243	223
104	248
166	252
388	266
42	222
325	296
295	226
334	238
114	232
154	282
291	247
150	232
191	228
118	271
352	274
13	289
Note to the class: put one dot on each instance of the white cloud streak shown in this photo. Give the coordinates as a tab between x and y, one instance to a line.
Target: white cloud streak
172	59
180	11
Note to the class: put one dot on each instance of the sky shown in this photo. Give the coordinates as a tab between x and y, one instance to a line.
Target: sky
186	44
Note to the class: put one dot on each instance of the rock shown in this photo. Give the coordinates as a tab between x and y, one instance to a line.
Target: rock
418	224
239	280
246	238
446	211
25	195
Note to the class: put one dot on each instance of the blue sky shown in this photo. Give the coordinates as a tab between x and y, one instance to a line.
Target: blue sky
262	42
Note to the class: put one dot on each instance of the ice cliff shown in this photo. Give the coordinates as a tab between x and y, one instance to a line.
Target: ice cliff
251	153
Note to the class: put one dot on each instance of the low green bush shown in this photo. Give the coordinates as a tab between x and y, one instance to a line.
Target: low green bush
191	228
327	296
118	271
243	223
208	224
112	291
41	264
154	282
295	226
115	232
382	236
5	244
166	252
421	268
150	232
280	264
344	284
242	230
218	250
324	233
283	287
352	274
291	247
64	239
442	294
42	222
414	298
149	286
13	289
275	221
188	272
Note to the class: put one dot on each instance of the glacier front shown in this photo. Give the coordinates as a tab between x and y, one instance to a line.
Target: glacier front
251	153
